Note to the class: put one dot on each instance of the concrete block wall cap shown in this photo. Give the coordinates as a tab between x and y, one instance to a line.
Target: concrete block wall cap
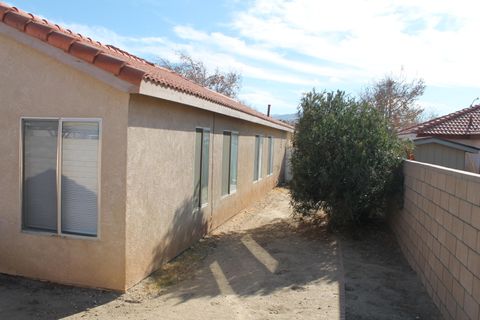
131	74
60	40
38	30
83	51
109	63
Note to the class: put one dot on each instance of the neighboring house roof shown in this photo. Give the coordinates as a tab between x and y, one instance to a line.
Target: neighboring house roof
121	64
465	122
447	143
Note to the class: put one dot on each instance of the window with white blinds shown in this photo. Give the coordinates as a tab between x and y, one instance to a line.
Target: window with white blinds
40	174
79	185
60	175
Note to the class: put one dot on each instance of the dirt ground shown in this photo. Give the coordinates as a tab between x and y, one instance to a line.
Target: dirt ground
262	264
379	283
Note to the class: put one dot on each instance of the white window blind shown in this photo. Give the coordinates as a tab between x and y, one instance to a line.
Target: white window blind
39	174
60	176
79	177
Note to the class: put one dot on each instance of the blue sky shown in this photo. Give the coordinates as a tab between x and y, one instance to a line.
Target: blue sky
285	48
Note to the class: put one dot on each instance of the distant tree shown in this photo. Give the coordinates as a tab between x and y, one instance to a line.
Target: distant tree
427	116
226	83
345	160
396	99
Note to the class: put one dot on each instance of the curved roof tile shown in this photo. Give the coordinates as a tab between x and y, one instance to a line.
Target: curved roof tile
126	66
460	123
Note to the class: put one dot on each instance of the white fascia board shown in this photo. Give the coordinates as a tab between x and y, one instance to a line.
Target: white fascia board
68	59
150	89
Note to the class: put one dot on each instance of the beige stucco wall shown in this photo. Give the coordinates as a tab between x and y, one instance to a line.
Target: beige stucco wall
472	160
161	146
441	155
248	191
34	85
439	233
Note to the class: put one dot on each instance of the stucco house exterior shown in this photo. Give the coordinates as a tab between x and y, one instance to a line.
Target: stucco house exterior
111	165
451	141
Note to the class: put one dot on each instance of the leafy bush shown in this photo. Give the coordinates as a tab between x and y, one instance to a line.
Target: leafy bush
345	160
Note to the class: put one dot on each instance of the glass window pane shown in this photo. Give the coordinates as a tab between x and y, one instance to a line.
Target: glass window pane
197	168
270	155
226	163
255	163
79	184
233	162
260	156
39	174
205	162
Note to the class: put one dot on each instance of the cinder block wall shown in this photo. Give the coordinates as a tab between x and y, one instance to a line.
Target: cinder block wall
439	233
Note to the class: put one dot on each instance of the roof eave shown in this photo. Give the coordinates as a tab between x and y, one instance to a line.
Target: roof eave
447	143
151	89
65	58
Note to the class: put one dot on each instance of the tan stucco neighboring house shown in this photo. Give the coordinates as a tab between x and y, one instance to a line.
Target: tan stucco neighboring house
111	165
452	140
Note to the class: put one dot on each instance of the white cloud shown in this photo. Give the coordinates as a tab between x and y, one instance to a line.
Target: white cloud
434	39
217	41
156	48
300	44
190	33
260	99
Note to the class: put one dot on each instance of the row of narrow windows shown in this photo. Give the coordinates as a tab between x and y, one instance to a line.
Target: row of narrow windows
229	163
61	165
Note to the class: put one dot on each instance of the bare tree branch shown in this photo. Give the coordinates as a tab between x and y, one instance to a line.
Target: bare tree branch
396	99
226	83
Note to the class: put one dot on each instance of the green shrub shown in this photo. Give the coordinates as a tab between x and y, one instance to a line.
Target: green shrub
345	160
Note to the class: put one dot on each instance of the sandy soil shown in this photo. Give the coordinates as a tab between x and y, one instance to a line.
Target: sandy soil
379	283
262	264
259	265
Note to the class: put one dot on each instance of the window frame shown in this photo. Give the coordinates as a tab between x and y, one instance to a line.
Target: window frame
59	232
199	206
230	192
271	149
259	160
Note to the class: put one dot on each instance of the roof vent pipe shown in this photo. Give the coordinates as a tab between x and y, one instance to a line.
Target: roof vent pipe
268	110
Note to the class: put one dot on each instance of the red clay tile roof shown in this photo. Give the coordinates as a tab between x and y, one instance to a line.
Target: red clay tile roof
120	63
460	123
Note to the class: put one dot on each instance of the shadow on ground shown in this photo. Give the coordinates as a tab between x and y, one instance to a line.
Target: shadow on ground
256	262
28	299
379	283
260	265
279	269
